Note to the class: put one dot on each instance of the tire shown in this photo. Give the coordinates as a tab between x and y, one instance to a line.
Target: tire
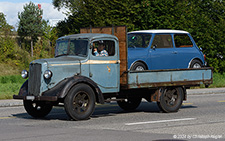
196	64
130	104
171	100
138	66
80	102
37	109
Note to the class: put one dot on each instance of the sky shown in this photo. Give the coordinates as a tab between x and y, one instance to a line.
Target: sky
11	8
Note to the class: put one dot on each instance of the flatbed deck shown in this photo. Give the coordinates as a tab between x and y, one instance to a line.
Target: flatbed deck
170	77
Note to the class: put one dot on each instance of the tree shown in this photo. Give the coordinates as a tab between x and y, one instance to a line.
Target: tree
83	13
5	28
30	24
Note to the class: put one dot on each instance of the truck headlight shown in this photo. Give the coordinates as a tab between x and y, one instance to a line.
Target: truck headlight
47	74
24	74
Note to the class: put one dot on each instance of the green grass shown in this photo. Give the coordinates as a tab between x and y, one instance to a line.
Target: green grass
10	84
218	80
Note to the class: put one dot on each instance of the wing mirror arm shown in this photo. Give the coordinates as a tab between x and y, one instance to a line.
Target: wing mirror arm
154	47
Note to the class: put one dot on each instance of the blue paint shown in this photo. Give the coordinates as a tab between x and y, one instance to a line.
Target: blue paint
162	58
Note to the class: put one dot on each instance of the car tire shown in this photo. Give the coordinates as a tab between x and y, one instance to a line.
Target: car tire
138	66
80	102
196	64
37	109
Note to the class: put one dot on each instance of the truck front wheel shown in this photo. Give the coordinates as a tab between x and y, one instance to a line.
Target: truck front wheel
130	104
80	102
37	109
171	99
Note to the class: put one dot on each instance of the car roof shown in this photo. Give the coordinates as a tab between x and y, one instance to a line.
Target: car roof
160	31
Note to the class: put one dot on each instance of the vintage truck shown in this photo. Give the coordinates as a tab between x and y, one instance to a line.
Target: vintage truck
79	79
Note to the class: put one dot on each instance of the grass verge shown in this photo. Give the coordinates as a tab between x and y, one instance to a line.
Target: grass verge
10	85
218	80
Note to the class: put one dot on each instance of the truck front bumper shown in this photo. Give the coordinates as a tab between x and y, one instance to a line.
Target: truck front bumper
36	98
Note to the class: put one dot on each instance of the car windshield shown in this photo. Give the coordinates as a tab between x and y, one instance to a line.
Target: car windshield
140	40
71	47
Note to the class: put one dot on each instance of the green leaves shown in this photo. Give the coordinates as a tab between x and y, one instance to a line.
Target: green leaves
30	24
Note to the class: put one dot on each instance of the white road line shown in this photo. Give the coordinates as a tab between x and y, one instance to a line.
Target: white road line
159	121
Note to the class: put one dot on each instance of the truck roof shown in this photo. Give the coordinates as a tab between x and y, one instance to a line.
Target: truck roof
89	36
159	31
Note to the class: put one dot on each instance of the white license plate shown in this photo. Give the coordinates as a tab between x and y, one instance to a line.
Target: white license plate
30	98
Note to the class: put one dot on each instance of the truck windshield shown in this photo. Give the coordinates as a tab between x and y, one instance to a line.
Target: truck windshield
71	47
140	40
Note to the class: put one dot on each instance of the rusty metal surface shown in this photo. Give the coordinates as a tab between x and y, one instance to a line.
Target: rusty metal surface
164	78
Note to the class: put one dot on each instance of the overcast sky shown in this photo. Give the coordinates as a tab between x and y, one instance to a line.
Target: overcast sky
11	8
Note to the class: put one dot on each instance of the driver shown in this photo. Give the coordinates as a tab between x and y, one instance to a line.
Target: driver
101	49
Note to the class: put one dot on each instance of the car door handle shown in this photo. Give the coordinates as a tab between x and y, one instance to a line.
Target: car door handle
174	52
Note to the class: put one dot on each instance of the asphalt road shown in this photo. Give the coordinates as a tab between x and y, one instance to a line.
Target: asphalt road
202	117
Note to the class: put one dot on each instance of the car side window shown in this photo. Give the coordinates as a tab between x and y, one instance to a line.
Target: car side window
182	40
103	48
162	41
138	40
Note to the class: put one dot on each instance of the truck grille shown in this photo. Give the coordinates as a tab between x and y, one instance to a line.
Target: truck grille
34	81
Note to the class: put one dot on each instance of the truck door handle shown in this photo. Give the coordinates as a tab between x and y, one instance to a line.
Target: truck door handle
118	62
174	52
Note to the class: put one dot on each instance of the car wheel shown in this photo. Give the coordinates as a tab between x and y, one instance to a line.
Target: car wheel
138	66
37	109
196	64
80	102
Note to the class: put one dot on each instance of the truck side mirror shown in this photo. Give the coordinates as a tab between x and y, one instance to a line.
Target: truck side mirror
91	46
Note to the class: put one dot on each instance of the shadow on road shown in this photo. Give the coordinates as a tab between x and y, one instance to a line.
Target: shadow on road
105	110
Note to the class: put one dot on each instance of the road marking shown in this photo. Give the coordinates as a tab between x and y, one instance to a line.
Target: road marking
187	104
6	117
222	101
159	121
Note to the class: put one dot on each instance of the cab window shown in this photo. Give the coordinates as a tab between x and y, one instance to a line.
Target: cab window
162	41
103	48
182	40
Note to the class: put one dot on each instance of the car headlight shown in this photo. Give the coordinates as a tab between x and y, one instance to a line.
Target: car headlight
24	74
47	74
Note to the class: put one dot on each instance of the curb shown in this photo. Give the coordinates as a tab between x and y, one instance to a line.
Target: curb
13	102
206	91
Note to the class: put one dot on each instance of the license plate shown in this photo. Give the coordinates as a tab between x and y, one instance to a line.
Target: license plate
30	98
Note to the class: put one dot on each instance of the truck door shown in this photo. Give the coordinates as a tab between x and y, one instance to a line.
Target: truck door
104	64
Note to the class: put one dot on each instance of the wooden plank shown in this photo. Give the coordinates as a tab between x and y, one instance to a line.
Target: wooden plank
121	33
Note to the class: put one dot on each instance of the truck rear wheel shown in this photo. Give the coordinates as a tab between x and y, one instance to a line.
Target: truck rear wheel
171	99
130	104
37	109
80	102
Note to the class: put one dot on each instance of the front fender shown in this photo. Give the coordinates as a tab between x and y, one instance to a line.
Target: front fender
24	89
63	87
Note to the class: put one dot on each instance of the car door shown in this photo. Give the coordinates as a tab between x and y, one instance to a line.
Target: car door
185	50
162	53
104	65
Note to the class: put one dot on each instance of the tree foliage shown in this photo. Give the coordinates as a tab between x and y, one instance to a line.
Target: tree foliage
30	24
204	19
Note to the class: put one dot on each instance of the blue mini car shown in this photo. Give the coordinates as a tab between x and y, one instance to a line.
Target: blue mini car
163	49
